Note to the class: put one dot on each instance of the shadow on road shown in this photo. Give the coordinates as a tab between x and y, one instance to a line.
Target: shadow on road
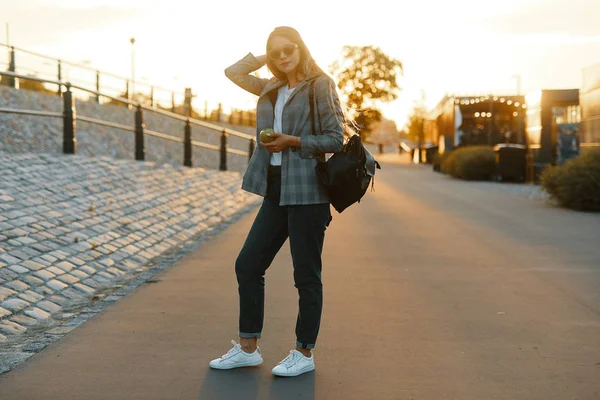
299	387
241	383
245	383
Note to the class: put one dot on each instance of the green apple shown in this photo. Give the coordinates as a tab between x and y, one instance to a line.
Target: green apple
265	135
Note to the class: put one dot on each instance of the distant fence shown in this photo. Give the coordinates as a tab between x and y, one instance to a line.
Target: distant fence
70	117
98	81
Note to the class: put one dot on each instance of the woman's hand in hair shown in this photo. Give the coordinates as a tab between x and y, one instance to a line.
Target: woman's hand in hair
281	142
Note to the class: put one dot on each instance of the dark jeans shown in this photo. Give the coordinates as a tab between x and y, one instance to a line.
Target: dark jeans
305	226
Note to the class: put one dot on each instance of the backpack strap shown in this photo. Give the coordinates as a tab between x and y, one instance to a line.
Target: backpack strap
311	100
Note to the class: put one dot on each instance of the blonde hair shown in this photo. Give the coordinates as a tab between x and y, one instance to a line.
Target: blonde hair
307	66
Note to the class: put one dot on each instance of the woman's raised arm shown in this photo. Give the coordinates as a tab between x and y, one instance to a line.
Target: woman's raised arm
240	73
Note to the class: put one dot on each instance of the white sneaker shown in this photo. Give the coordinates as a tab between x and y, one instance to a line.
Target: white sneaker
236	358
295	364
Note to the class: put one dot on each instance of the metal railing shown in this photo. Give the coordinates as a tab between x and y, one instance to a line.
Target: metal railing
120	85
70	117
60	65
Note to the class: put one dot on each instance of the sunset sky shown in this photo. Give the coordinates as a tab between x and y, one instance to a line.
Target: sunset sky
461	46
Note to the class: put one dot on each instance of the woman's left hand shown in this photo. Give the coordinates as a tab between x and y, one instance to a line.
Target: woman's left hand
281	142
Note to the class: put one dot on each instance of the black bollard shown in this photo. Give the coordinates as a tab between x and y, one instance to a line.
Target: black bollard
69	122
187	144
139	134
12	81
223	163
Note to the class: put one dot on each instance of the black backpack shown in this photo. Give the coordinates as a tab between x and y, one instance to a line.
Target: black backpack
347	174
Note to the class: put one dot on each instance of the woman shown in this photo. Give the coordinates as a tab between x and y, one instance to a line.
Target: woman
295	205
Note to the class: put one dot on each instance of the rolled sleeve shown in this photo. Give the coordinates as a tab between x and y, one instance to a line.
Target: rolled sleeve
239	73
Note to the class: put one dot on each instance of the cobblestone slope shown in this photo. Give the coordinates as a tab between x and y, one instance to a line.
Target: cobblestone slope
74	227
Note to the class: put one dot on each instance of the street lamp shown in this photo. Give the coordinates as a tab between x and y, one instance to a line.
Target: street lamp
132	41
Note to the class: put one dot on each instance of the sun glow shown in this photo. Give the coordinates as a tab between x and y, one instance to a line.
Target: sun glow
189	44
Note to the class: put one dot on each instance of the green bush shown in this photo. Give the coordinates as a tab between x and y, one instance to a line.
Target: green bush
474	163
575	184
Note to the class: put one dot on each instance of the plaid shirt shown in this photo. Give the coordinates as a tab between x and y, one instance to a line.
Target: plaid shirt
299	181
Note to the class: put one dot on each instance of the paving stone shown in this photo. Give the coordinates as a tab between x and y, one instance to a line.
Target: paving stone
7	275
75	261
48	306
85	257
68	279
41	248
9	259
148	254
73	294
15	214
128	264
33	265
32	280
107	262
44	290
18	269
21	255
101	279
110	248
14	304
103	250
93	283
11	328
49	258
79	274
65	266
23	320
56	285
13	243
30	252
95	254
28	298
6	292
139	259
84	288
115	271
88	270
60	254
26	241
44	275
35	296
60	300
16	232
107	275
37	313
51	245
54	270
17	285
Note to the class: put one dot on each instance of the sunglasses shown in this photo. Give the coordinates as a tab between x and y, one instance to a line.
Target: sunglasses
287	49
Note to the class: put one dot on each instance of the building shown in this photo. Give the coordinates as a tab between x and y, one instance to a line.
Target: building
472	120
553	118
589	99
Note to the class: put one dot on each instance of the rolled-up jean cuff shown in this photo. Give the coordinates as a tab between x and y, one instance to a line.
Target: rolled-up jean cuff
305	345
246	335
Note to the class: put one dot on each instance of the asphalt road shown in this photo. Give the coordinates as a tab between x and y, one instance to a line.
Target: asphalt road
434	289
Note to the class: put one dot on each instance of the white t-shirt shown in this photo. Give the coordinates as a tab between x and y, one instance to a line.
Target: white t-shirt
282	97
